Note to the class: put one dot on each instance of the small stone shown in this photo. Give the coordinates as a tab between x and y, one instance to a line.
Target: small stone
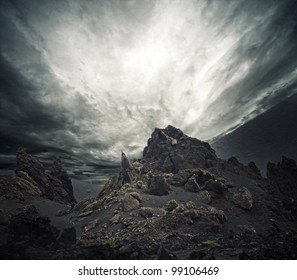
204	197
247	229
139	184
29	209
170	205
115	218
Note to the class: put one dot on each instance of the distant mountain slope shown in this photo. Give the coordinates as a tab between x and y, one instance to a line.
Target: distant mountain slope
264	138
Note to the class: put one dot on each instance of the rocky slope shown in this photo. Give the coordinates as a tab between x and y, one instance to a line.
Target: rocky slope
180	201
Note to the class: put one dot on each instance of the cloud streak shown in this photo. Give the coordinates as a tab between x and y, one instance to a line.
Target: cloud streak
88	79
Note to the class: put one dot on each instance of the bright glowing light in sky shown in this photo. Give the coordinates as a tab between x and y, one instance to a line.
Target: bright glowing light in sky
118	69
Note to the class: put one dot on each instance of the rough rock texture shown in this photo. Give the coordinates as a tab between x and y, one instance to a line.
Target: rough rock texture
192	185
170	150
34	168
243	198
168	213
179	202
233	165
216	187
14	187
129	202
54	186
158	186
35	231
60	173
204	196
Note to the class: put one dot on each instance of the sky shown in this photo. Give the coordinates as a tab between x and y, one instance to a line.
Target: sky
86	79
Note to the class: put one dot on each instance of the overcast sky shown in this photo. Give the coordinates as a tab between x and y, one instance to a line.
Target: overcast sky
88	79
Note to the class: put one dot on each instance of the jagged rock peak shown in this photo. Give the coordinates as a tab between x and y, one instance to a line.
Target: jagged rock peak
60	173
125	162
171	150
54	186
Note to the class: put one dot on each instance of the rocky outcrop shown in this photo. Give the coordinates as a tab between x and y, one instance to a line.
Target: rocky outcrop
178	201
29	164
54	186
170	150
233	165
60	173
15	188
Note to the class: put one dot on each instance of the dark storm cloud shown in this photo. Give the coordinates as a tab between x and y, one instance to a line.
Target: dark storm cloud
23	118
86	79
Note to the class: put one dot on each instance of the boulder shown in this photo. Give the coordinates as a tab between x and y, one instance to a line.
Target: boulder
170	150
180	178
202	176
243	198
158	186
171	205
204	197
129	203
216	187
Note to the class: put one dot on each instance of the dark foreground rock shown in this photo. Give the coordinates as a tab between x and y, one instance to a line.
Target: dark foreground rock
180	201
54	186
